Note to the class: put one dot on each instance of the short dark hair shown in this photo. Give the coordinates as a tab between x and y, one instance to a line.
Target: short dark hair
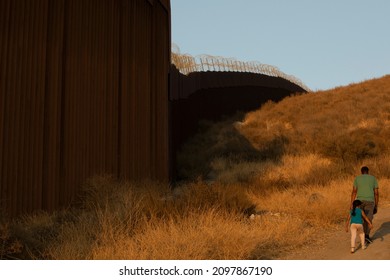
364	169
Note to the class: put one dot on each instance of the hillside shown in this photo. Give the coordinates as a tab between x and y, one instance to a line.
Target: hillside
346	126
256	186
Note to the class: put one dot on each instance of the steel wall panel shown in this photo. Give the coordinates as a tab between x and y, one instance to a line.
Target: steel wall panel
4	39
142	137
23	94
53	92
142	93
83	91
167	6
127	66
160	105
90	135
8	192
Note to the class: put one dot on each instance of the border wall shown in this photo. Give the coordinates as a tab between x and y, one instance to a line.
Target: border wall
83	91
213	94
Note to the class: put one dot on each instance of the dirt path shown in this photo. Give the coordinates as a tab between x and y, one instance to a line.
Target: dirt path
336	245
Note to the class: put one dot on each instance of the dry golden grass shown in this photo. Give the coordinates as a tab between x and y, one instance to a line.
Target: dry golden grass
291	164
202	222
348	124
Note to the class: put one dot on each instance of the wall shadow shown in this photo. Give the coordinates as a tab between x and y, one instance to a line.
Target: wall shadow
214	95
219	146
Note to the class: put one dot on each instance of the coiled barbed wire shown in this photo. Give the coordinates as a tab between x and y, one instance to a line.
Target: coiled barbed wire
186	64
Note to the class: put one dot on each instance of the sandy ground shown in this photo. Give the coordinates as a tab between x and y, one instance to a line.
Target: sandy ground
336	245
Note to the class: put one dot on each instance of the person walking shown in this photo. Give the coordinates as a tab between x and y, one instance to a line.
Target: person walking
355	223
366	189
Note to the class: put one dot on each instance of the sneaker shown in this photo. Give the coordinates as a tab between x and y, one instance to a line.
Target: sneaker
352	250
368	240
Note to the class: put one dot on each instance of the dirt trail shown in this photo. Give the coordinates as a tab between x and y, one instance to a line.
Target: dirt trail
336	245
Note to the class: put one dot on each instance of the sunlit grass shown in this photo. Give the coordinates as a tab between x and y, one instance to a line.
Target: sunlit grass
203	222
256	187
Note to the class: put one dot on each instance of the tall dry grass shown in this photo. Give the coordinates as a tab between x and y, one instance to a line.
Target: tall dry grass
290	163
121	221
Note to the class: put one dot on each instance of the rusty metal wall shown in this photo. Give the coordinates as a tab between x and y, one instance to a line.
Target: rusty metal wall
83	91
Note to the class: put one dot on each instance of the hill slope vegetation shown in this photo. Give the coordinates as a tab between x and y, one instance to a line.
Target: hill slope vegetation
257	186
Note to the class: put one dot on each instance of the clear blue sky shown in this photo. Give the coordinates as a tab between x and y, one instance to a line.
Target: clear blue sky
325	43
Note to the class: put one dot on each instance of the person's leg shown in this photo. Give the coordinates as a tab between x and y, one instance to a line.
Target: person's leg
368	208
353	237
360	232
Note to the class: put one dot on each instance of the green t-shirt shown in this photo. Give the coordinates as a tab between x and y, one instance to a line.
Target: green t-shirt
365	185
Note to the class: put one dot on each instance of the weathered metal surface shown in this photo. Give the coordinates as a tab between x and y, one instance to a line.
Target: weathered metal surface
83	91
